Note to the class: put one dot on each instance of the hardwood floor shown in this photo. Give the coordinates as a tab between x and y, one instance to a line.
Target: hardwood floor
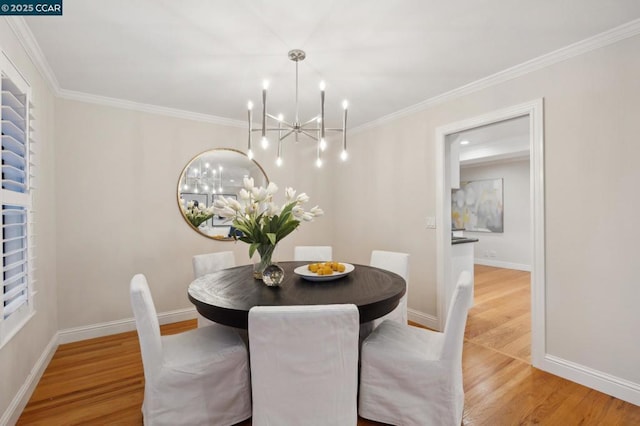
500	318
100	381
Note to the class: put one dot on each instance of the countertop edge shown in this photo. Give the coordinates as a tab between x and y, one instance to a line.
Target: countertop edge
464	240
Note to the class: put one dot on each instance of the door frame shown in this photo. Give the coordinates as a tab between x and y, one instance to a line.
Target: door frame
535	111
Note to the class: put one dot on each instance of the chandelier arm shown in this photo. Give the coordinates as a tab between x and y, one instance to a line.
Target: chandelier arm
311	121
287	124
285	135
272	117
308	134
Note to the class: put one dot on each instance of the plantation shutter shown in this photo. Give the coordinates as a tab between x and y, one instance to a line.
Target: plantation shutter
15	198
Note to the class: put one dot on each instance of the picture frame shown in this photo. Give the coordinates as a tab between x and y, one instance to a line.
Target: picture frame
202	199
477	206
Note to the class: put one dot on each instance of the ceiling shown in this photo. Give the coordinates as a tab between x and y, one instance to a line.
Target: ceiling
210	57
505	140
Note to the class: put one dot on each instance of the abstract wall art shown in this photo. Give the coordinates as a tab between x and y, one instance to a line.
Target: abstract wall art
478	206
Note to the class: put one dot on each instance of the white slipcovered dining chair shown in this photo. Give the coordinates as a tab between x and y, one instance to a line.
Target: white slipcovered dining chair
198	377
212	262
413	376
204	264
397	263
304	364
313	253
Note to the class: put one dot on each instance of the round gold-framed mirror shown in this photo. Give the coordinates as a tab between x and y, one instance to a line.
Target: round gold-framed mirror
209	175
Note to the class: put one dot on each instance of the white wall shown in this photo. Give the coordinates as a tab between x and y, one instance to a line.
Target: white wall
591	175
19	356
511	248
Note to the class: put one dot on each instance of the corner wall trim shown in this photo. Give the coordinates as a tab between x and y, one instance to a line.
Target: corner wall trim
148	108
586	376
26	38
76	334
20	400
421	318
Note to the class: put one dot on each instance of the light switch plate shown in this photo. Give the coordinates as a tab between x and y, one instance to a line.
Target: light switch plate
431	222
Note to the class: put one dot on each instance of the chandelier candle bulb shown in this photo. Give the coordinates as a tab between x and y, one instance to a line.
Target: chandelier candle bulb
279	158
264	115
249	112
322	110
319	156
344	155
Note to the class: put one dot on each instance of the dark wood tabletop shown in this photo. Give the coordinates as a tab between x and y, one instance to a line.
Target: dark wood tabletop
226	296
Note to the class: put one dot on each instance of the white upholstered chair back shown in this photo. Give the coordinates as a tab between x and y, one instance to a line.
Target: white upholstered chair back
397	263
304	364
147	325
212	262
204	264
457	318
313	253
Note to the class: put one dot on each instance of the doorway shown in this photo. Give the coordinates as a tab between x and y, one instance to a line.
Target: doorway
533	113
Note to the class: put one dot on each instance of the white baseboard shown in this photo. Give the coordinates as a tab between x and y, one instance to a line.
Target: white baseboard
76	334
20	400
421	318
603	382
501	264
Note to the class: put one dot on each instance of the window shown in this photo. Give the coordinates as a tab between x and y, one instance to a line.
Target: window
15	197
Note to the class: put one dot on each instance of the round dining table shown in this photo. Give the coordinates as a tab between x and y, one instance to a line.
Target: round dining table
226	296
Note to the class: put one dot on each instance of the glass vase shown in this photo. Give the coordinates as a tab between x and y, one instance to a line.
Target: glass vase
265	252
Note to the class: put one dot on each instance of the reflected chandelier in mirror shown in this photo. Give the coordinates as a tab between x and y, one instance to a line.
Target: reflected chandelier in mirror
207	176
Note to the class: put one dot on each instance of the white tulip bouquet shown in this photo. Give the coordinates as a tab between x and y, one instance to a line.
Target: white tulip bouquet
263	223
195	213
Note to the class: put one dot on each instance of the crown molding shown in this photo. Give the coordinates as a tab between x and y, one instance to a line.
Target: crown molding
29	43
152	109
606	38
32	48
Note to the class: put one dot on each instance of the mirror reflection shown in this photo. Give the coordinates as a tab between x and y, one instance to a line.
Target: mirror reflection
211	174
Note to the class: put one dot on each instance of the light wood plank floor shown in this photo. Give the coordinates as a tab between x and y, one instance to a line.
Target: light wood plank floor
100	381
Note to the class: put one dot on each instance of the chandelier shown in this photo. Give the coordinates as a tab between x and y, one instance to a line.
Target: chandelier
204	178
313	128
